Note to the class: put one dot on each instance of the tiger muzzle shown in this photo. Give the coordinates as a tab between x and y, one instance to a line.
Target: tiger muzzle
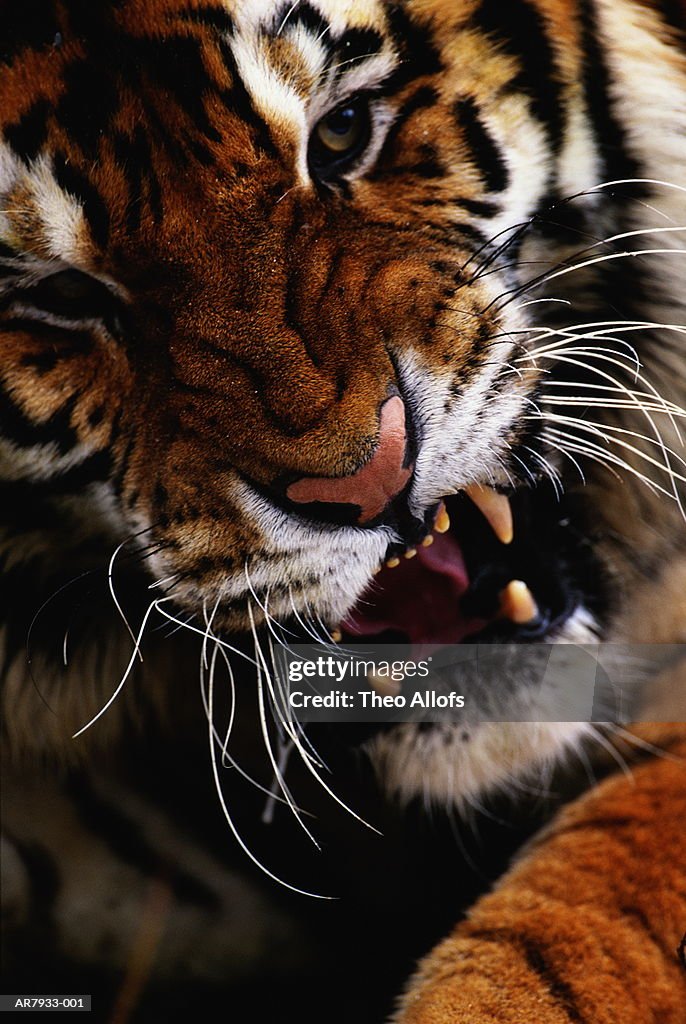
372	487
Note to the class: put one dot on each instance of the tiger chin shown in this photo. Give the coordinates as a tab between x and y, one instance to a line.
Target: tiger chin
321	315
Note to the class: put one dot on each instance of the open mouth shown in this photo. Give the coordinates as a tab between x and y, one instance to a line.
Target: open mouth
487	567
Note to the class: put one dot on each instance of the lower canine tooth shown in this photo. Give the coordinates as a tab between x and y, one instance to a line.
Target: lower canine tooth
517	603
384	686
442	521
495	508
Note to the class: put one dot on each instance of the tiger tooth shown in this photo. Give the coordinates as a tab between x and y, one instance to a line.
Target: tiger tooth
384	686
442	521
517	603
495	508
428	540
336	636
393	563
410	553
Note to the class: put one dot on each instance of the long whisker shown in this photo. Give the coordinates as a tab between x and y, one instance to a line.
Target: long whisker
293	721
201	632
229	820
227	759
601	455
265	733
127	671
306	759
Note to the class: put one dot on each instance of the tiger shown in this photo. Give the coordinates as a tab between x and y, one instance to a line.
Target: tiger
353	319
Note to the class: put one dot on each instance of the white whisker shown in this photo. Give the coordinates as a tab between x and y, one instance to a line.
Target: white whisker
262	666
127	671
110	583
236	834
305	757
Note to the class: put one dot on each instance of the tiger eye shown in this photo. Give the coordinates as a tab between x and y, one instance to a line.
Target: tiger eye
340	137
341	130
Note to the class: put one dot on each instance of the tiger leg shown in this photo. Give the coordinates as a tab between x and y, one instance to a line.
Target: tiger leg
587	927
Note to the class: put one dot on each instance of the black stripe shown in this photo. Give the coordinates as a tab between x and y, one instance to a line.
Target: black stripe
335	261
72	295
215	17
122	469
428	165
520	30
177	64
559	989
77	184
72	340
134	156
7	253
673	13
610	135
23	496
27	135
354	45
639	915
468	231
30	25
419	54
479	207
89	101
423	97
486	154
304	14
122	834
18	427
240	100
258	385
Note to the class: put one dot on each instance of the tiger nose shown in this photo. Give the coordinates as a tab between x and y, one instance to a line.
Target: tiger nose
377	482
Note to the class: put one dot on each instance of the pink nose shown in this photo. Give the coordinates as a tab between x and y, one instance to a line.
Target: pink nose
374	485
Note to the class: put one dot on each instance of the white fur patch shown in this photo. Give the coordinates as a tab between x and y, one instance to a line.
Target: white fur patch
62	223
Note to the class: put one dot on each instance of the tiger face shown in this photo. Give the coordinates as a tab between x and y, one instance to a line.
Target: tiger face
295	291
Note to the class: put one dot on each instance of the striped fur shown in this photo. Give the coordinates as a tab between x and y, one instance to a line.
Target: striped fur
191	318
594	948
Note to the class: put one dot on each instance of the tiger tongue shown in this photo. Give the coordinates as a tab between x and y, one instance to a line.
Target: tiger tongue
420	597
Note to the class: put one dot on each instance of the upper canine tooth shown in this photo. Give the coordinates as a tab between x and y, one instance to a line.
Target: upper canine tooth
495	508
442	520
517	603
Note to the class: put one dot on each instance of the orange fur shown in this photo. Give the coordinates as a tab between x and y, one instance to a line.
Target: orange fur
584	929
269	316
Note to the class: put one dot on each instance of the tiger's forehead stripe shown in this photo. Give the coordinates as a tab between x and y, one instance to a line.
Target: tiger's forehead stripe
335	16
297	66
286	65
